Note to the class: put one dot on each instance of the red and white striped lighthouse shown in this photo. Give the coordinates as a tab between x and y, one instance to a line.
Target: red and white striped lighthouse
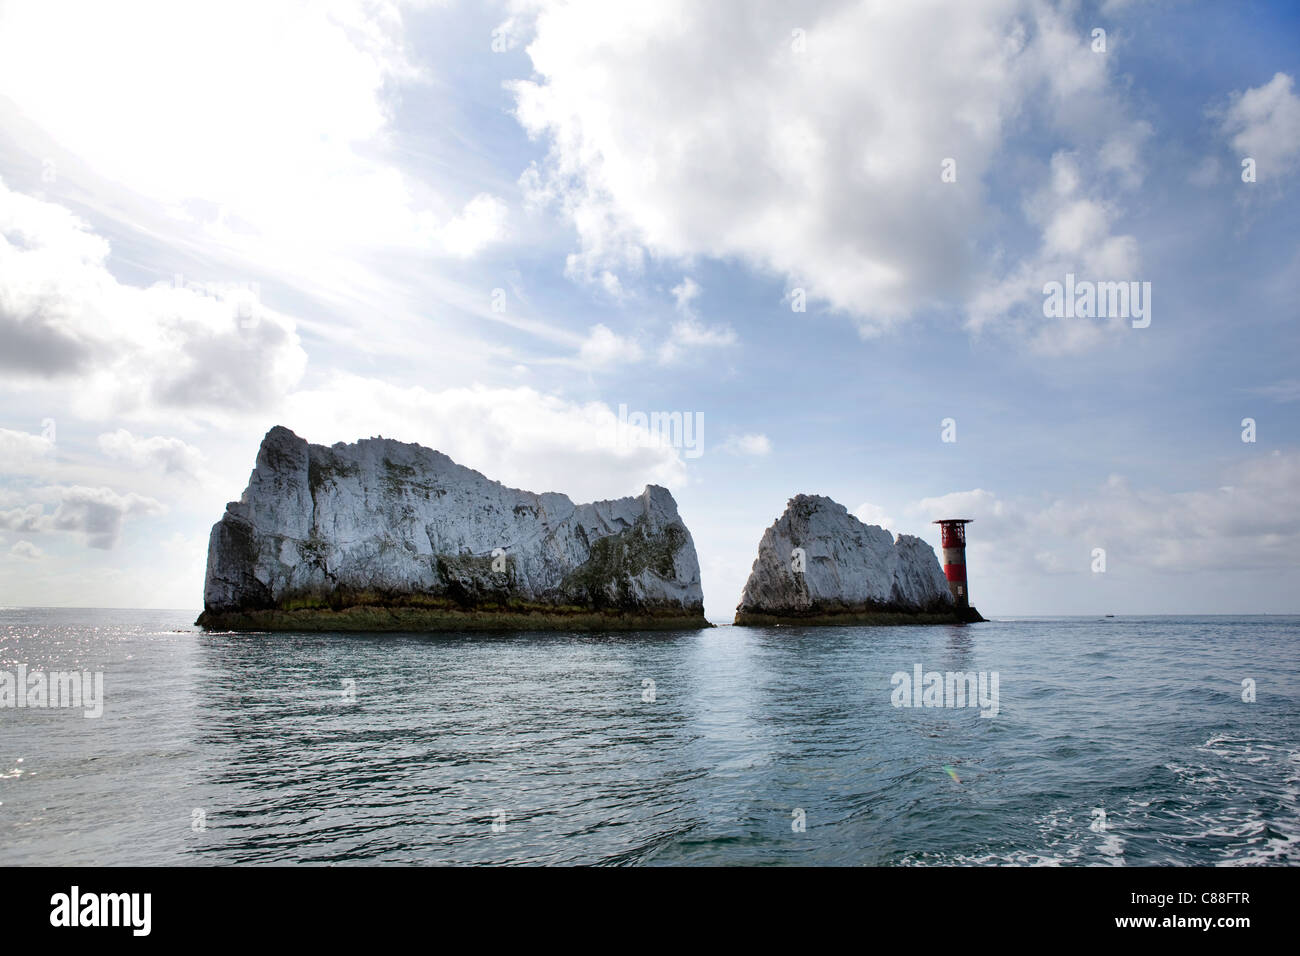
953	542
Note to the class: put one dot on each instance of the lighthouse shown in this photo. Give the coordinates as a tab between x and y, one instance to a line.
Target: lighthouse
953	541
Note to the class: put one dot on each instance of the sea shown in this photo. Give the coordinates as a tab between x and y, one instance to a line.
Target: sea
1078	741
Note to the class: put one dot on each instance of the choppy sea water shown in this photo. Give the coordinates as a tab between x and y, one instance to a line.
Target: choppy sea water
1117	741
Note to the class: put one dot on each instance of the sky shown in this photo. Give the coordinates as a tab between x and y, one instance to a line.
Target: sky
824	231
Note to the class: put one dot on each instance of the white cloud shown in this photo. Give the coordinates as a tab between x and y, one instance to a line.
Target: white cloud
26	551
23	453
1122	153
868	513
752	444
245	114
1287	390
1078	236
689	335
481	223
169	455
822	165
22	519
684	293
519	436
1250	523
604	348
132	350
96	513
1263	123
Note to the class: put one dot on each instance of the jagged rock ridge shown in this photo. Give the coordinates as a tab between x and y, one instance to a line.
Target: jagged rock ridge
845	572
385	534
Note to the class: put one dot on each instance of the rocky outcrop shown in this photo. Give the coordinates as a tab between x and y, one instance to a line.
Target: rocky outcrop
818	564
380	534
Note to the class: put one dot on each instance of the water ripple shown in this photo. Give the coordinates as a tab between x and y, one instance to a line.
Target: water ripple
1117	742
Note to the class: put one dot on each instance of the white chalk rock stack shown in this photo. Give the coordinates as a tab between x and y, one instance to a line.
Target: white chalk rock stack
387	526
818	564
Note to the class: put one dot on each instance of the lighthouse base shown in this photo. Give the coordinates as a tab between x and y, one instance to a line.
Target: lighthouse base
969	615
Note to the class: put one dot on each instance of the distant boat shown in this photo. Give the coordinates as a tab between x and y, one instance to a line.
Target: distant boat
1110	615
